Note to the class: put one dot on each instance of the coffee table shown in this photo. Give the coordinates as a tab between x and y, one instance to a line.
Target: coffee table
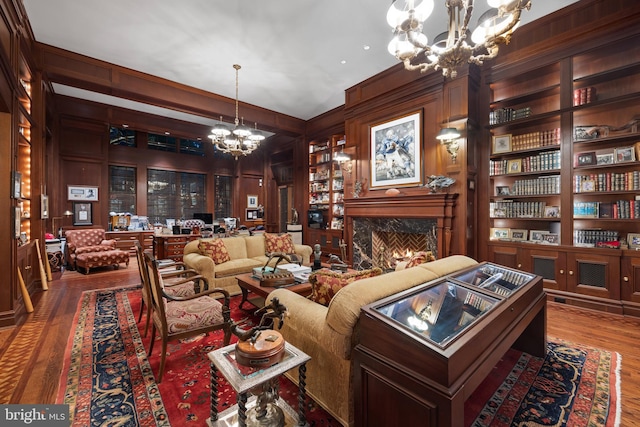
248	283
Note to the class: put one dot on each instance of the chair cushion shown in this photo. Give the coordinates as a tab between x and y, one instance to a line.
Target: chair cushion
326	283
420	258
279	243
214	249
199	312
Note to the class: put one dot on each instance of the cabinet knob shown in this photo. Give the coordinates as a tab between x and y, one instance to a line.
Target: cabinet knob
570	272
625	278
561	271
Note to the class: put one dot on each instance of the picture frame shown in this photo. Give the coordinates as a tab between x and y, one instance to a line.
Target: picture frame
519	234
395	148
499	233
82	193
550	238
44	206
17	217
501	144
625	154
514	166
82	214
252	201
587	186
16	186
251	214
633	239
586	158
503	190
536	235
605	159
552	211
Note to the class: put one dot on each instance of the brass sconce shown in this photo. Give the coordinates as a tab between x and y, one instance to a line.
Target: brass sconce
345	161
449	138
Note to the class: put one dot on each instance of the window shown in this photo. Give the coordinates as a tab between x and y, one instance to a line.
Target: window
161	142
174	195
191	146
122	189
223	196
122	136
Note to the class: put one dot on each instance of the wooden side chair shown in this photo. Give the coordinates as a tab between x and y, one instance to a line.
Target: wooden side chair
177	317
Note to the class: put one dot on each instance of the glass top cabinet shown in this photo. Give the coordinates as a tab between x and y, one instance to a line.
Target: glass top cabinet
441	311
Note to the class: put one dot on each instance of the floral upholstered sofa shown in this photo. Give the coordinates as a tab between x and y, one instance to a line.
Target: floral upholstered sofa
87	248
328	331
219	260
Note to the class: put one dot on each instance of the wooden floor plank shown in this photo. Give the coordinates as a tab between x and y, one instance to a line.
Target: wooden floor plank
36	368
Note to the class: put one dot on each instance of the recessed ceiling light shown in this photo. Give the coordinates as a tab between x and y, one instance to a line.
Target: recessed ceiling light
125	125
366	47
344	61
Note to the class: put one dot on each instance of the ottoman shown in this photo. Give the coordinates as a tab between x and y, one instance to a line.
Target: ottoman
99	259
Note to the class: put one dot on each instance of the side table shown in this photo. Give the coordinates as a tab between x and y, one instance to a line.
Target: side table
244	378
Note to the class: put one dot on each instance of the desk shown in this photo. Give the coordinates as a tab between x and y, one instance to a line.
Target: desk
243	379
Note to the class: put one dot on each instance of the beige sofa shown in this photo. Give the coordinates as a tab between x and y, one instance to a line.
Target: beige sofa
328	334
246	252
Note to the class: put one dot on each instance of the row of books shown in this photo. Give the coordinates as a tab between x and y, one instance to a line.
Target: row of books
541	162
610	181
502	115
584	95
535	187
593	237
621	209
512	209
538	139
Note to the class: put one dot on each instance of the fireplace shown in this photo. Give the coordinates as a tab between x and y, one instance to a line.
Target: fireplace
382	230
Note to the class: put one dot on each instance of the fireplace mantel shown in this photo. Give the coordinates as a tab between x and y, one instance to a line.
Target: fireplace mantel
438	206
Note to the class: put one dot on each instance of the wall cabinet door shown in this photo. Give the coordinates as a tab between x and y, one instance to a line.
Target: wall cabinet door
509	256
595	275
550	264
631	277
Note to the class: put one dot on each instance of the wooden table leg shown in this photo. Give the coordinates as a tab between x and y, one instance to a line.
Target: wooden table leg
245	296
214	393
302	394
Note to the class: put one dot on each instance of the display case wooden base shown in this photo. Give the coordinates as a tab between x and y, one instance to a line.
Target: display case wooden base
401	378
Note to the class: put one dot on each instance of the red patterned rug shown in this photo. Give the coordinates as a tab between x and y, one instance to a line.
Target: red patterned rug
108	379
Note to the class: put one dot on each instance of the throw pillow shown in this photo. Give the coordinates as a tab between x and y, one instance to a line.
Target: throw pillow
420	258
214	249
326	283
279	243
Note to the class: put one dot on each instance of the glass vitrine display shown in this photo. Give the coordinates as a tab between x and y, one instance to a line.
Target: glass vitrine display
440	312
495	278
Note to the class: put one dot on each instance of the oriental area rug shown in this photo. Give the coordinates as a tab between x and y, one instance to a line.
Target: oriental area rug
108	380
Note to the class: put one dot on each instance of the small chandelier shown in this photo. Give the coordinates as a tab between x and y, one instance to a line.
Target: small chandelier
452	49
241	140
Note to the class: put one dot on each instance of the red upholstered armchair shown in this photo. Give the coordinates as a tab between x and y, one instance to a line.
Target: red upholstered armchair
88	248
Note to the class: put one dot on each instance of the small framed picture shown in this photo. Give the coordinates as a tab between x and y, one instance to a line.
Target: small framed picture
550	238
499	233
552	211
518	234
503	190
586	159
634	240
605	159
514	166
536	235
501	144
252	201
82	214
17	216
587	186
499	213
44	206
625	154
251	214
16	184
82	193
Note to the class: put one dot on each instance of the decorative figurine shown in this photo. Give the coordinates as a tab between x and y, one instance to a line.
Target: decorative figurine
437	183
316	257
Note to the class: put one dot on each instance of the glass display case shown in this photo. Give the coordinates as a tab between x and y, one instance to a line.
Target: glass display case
440	312
495	278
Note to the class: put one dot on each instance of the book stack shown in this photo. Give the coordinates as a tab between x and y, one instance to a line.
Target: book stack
584	95
502	115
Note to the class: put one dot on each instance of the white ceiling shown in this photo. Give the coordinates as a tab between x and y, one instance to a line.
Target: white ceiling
290	50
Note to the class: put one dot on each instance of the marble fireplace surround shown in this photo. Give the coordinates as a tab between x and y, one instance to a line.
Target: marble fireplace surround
369	221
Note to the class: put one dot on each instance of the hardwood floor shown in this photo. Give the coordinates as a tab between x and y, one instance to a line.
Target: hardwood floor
32	354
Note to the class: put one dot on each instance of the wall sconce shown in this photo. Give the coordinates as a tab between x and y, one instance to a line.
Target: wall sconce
449	138
344	159
65	214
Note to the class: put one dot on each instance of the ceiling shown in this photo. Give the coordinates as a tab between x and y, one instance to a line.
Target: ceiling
291	51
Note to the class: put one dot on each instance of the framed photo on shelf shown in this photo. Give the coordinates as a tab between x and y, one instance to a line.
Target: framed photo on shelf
634	240
536	235
550	238
395	152
501	144
251	214
519	234
82	193
625	154
82	213
252	201
44	206
514	166
16	184
586	159
588	186
503	190
605	159
552	211
499	233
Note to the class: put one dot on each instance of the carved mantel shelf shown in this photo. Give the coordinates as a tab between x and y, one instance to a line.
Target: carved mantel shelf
438	206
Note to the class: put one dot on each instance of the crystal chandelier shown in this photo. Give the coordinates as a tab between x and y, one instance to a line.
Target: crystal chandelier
452	48
239	141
